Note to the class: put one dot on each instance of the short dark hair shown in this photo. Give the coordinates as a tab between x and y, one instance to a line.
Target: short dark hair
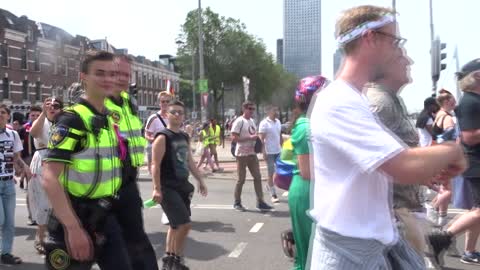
92	56
5	107
176	103
247	103
35	108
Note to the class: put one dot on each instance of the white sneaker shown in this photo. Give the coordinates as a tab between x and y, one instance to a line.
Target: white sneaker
432	214
165	219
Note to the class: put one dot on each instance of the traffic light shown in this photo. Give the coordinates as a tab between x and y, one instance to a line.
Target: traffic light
437	57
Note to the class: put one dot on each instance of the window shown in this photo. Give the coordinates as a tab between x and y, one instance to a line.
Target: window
29	34
24	58
4	53
6	88
38	92
25	89
65	67
36	60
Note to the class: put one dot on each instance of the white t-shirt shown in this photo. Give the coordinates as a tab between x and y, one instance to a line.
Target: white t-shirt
42	140
272	130
352	197
245	128
10	143
425	138
154	125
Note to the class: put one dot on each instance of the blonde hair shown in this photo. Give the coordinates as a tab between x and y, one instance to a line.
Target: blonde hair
468	83
356	16
163	94
443	97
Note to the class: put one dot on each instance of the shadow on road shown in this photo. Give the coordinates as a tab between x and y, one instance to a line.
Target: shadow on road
203	251
212	226
29	232
279	214
24	266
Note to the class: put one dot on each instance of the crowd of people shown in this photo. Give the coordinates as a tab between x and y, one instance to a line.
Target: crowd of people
363	174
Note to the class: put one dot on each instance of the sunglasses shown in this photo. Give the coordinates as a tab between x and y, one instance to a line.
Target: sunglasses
175	112
251	109
164	101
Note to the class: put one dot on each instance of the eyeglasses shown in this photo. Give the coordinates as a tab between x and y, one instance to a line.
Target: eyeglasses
251	108
398	41
175	112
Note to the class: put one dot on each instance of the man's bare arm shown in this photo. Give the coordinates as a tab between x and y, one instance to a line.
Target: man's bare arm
158	152
17	159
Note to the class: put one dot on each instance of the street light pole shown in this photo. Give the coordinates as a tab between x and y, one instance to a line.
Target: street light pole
194	109
200	59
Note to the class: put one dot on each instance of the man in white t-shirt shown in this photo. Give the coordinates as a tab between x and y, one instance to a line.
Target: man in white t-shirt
356	159
10	150
156	122
244	133
269	131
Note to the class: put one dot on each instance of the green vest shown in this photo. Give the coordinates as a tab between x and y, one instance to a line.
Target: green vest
130	127
215	139
205	138
94	171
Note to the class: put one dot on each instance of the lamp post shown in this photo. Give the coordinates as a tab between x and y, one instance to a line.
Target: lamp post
200	59
192	51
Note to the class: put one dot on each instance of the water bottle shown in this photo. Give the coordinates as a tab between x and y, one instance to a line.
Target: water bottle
149	203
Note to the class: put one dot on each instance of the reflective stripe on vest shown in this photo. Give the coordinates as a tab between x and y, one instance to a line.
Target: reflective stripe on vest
98	164
130	127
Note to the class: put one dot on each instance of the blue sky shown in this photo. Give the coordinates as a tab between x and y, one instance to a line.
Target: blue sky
149	27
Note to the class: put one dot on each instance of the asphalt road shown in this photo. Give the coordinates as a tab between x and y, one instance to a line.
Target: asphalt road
221	238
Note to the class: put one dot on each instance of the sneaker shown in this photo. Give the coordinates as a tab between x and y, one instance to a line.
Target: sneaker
8	258
165	220
262	206
178	265
438	243
432	214
275	199
31	222
239	207
470	258
167	262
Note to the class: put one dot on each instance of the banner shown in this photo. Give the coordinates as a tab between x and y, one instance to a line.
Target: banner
205	99
203	86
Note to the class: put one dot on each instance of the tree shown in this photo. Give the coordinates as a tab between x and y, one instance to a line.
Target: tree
230	52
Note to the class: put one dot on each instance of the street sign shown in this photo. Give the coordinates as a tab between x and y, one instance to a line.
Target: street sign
203	86
194	115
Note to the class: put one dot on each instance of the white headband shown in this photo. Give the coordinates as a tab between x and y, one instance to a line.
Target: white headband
359	30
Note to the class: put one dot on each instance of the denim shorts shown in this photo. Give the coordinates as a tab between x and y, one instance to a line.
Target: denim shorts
271	158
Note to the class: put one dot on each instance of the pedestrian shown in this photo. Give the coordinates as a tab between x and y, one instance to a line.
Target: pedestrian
269	132
10	154
299	191
39	203
215	135
172	163
82	177
467	113
424	121
385	101
156	122
205	138
128	207
356	158
244	133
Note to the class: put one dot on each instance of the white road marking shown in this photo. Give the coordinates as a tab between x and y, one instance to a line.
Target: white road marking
238	250
285	194
256	227
21	204
428	263
212	206
21	199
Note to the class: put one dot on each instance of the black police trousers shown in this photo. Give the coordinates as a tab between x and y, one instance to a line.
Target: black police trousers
128	211
113	255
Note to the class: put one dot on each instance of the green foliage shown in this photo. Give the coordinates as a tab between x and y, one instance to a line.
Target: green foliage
230	52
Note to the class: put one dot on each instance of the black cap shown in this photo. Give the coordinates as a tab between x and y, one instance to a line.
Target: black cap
468	68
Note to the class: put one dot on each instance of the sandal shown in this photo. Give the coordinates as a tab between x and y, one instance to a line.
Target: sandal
10	259
288	243
39	247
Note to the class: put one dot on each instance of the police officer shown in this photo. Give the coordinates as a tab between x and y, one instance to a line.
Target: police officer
128	208
82	177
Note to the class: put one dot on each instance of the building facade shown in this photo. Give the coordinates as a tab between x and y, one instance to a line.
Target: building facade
302	37
38	60
280	51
